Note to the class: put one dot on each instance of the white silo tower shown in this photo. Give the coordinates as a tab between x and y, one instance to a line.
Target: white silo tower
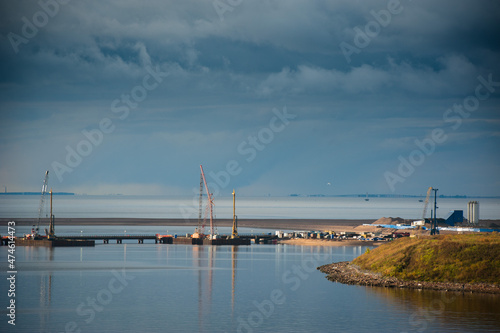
473	212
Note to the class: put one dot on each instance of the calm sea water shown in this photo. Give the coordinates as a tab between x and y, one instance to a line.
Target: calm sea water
259	288
271	207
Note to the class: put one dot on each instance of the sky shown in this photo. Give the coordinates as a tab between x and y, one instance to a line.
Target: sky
272	97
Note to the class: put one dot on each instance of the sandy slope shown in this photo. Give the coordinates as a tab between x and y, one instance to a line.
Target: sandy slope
325	242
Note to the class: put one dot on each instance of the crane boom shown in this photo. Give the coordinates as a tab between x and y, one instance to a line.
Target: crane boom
426	202
210	203
42	199
201	228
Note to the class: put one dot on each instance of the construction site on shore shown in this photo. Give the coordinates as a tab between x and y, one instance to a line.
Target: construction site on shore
383	229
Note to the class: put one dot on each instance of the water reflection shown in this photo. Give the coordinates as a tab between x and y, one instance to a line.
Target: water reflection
212	289
45	285
234	251
204	258
453	310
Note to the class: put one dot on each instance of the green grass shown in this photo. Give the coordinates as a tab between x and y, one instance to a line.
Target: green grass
472	258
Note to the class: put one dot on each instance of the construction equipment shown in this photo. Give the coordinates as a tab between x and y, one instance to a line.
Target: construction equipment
35	231
51	232
234	233
201	227
210	204
434	228
426	203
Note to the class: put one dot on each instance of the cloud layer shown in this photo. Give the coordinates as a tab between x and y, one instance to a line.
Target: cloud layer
228	68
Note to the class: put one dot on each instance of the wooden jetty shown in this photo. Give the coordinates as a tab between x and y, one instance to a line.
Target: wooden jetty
170	239
90	240
118	238
54	242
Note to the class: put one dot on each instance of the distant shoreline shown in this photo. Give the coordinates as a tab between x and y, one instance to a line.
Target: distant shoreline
34	193
337	225
281	224
390	196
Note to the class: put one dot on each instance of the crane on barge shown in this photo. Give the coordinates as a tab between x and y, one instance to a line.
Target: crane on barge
209	209
35	230
214	238
234	233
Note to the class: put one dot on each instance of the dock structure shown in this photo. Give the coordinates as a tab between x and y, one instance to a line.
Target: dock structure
51	240
227	241
4	240
118	238
54	242
204	241
208	241
89	240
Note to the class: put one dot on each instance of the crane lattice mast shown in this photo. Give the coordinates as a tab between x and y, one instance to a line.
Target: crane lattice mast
210	203
42	199
201	227
426	203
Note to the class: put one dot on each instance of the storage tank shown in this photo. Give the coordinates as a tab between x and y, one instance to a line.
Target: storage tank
473	212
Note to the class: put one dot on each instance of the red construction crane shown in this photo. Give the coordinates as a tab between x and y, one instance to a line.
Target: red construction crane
210	203
201	227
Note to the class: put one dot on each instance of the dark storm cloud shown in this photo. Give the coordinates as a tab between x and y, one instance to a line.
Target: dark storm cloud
227	71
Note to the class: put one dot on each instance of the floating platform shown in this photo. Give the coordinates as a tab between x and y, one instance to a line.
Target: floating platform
205	241
227	241
56	242
77	241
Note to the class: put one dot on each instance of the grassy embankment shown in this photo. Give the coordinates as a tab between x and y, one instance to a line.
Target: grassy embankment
471	258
